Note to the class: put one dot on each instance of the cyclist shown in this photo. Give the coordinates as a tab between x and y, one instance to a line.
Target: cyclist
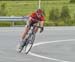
34	19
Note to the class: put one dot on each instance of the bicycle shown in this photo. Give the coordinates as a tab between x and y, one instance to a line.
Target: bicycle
28	43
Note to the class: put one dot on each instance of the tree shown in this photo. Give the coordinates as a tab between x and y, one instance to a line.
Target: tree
72	1
54	14
3	9
65	13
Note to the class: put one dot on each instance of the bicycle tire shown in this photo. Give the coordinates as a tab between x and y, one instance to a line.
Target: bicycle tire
30	43
21	46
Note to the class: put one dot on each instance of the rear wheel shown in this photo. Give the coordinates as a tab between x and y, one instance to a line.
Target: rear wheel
21	46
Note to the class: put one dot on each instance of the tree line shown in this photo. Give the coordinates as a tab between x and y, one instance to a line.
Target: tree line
64	17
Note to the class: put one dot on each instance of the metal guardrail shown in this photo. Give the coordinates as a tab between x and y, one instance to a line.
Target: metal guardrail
13	18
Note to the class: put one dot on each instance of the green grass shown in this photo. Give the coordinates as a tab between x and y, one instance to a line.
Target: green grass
24	8
20	8
5	24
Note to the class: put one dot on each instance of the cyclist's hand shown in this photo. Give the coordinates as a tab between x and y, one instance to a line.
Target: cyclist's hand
41	29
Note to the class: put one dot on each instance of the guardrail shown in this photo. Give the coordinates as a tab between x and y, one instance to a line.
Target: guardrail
13	18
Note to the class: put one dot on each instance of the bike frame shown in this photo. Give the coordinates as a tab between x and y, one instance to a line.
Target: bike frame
30	39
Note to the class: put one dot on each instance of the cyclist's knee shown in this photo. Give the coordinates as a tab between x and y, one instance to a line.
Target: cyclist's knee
28	27
36	29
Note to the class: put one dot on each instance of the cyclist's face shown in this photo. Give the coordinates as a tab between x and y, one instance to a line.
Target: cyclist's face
38	15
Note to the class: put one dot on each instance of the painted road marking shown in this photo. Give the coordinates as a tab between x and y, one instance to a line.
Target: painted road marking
17	29
44	57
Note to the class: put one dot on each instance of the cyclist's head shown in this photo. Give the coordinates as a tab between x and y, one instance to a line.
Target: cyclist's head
39	12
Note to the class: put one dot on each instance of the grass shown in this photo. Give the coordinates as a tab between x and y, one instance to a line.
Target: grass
7	24
3	24
24	8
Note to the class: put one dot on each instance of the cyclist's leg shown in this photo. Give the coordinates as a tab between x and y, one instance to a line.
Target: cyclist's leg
35	27
23	35
26	30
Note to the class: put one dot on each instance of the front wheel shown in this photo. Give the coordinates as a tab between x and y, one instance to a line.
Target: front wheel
30	42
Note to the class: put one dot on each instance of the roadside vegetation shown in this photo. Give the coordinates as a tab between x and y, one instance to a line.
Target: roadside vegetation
57	12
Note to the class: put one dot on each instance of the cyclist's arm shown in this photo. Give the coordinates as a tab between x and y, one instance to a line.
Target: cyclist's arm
41	26
41	23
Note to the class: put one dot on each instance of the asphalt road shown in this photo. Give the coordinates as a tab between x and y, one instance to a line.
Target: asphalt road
55	44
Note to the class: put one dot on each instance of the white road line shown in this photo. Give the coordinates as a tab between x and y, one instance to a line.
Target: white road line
36	44
10	30
44	57
17	29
